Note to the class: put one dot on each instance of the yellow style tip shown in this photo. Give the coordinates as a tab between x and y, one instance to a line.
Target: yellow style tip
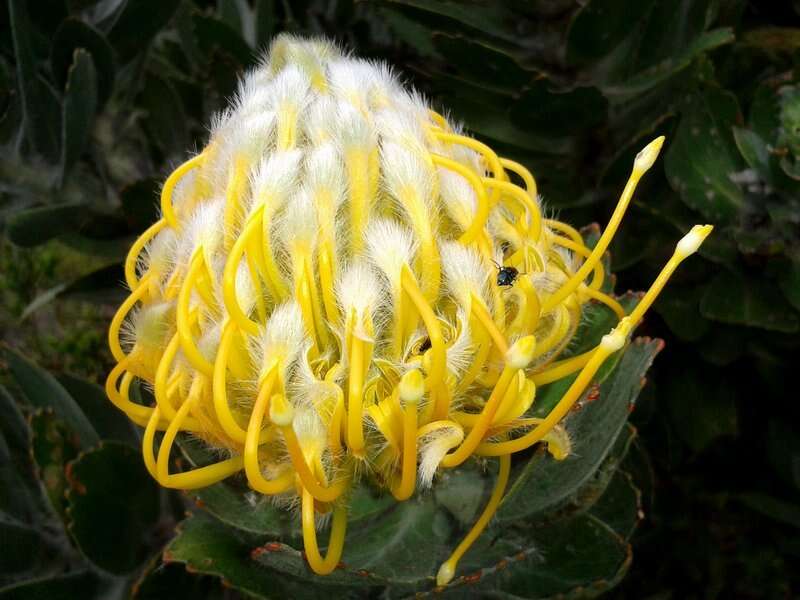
615	339
445	574
648	155
411	387
280	411
521	353
692	241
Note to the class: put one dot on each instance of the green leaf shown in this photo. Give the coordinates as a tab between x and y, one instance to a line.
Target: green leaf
40	108
780	510
621	505
765	112
480	64
228	12
405	544
773	39
701	406
21	497
550	112
24	552
113	506
99	286
790	283
243	509
43	391
80	105
140	203
669	67
702	158
783	451
73	34
754	151
497	126
137	24
210	548
755	302
53	445
568	560
161	581
679	307
109	422
487	18
265	22
597	28
166	119
544	482
35	226
84	585
214	35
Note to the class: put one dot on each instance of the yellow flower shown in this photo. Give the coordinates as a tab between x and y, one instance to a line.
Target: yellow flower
345	287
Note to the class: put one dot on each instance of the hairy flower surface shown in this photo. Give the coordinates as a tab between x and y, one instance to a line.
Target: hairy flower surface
343	287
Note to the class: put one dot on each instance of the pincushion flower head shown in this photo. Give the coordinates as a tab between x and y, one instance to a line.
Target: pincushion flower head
344	288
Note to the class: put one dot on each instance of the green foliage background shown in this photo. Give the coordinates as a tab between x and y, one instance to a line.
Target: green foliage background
99	98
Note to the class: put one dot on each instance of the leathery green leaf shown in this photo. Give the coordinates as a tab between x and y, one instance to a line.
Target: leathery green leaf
113	505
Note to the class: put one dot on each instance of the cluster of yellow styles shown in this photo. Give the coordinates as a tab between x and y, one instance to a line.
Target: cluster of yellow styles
344	287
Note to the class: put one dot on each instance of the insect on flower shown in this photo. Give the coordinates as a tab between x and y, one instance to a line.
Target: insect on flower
318	301
506	276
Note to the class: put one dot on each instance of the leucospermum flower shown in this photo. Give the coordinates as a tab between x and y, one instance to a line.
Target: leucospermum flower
344	287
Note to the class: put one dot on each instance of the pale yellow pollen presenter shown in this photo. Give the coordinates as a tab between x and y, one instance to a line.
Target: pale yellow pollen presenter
345	289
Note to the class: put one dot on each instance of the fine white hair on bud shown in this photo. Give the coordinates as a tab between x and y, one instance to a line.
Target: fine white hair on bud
390	246
282	338
290	89
461	350
359	290
274	179
432	449
458	198
352	128
325	172
151	324
465	273
298	225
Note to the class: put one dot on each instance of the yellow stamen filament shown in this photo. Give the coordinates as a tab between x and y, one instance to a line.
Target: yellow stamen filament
196	478
482	208
361	190
530	205
599	270
251	445
183	321
448	569
335	544
410	392
169	187
517	358
136	250
355	396
233	197
640	168
524	174
231	271
138	294
282	414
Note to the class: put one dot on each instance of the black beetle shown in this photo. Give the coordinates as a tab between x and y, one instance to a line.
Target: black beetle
506	276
